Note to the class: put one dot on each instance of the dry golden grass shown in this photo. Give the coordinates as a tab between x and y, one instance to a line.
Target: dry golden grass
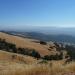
25	65
6	56
7	68
25	43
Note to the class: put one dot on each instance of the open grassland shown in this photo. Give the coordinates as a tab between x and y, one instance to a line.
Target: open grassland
12	68
25	43
16	64
13	57
30	66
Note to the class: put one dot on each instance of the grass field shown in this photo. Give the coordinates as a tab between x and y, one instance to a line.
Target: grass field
16	64
30	66
25	43
12	68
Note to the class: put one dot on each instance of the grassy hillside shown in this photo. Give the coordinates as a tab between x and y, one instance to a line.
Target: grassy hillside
30	44
45	37
25	43
13	57
13	63
8	66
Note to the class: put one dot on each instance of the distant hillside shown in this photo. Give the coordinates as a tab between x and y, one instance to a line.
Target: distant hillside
26	43
57	38
44	37
30	47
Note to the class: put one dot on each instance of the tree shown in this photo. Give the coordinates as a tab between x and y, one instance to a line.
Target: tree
43	43
35	54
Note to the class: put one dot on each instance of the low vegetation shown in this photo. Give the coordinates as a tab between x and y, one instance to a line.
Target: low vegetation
56	68
54	57
43	43
16	62
5	46
69	48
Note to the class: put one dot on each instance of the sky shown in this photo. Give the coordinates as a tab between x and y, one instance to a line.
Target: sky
32	13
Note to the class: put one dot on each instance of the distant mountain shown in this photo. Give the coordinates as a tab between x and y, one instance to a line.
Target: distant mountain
46	30
44	37
48	37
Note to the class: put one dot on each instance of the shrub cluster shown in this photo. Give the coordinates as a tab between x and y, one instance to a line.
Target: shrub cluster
71	51
69	48
54	57
43	43
6	46
12	48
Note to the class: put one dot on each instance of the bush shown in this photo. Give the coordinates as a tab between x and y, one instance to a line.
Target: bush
12	48
53	57
71	51
43	43
35	54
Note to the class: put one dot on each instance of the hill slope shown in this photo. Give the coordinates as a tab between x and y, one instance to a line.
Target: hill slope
9	66
45	37
25	43
17	58
16	64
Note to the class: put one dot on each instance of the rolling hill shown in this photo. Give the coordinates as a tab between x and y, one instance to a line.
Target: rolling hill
25	65
19	64
25	43
68	38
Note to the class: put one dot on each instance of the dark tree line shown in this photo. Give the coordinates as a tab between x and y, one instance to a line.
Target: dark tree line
59	46
71	51
30	52
54	57
69	48
6	46
43	42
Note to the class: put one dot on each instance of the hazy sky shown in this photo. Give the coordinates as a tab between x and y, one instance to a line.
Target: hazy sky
22	13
